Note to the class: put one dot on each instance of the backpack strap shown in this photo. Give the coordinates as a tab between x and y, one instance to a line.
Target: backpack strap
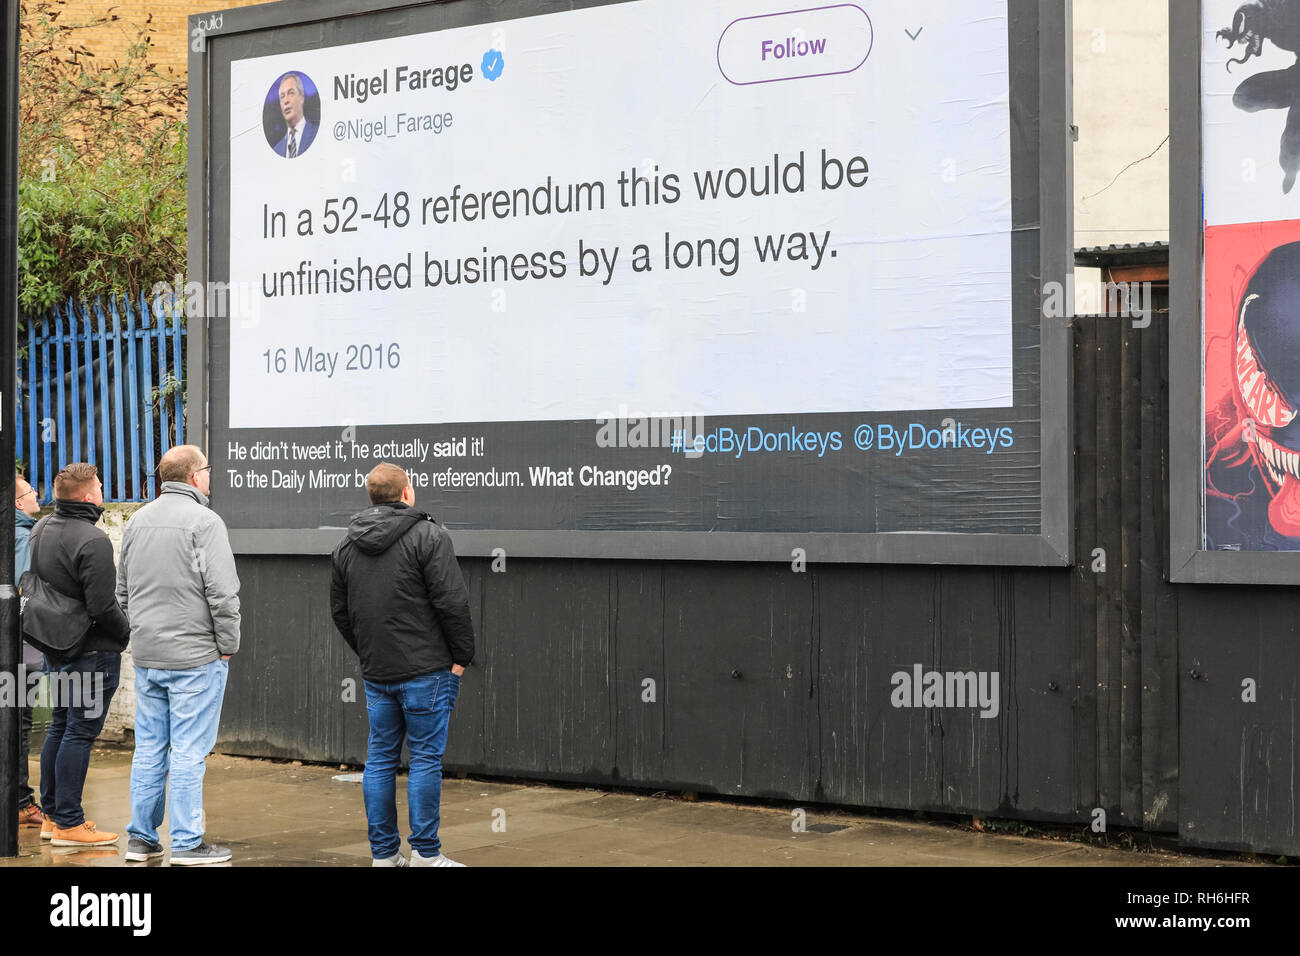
32	540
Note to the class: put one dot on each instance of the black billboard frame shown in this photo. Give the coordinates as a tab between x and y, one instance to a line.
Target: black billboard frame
1051	547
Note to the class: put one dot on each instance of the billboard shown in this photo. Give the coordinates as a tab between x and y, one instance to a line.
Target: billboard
647	277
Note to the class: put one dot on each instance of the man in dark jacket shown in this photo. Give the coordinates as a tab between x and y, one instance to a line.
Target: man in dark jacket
75	558
399	600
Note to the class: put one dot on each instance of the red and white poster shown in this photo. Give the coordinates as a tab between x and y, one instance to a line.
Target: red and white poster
1251	388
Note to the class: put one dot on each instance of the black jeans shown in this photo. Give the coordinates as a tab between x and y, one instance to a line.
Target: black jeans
80	692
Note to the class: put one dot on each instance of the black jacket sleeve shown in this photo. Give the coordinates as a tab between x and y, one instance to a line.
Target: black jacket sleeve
448	595
339	600
98	575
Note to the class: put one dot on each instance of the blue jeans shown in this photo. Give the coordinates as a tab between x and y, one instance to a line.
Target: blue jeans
176	718
418	710
80	692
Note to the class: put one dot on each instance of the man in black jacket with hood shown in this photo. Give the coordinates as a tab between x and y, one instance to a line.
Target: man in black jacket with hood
399	600
75	558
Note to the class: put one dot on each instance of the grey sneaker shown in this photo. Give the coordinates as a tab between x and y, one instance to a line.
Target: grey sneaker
138	850
438	859
395	860
202	854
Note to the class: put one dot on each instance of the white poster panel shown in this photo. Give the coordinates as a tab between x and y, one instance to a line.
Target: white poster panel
683	207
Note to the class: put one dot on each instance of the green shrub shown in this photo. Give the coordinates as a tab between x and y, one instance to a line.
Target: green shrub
102	165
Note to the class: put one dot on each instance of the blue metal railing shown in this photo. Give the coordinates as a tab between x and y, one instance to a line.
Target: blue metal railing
78	401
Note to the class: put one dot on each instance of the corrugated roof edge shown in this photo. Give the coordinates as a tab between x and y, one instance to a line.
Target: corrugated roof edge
1128	254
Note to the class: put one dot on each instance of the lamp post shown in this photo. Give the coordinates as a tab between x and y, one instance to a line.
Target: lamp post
10	639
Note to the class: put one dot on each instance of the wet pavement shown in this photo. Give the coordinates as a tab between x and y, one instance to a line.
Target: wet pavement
272	813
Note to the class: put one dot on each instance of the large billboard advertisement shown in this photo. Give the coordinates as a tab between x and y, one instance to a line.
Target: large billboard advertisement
670	266
1251	157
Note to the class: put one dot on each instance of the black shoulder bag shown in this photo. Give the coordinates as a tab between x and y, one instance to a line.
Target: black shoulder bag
52	622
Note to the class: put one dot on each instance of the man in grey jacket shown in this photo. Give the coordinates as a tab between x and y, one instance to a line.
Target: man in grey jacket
177	583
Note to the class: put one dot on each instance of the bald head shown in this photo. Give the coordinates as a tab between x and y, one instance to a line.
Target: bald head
188	465
179	463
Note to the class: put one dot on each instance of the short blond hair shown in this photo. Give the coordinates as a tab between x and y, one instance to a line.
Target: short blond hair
385	483
75	481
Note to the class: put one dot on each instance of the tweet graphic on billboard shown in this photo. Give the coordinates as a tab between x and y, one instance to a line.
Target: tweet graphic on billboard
684	216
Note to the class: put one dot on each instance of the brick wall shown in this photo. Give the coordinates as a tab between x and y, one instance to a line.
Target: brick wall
169	31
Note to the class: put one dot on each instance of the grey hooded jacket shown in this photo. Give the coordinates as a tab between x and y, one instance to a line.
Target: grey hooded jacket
176	582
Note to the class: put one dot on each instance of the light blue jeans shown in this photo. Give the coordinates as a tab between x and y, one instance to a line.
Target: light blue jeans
176	718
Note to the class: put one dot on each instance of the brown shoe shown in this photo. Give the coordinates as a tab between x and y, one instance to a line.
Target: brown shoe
30	816
84	835
48	828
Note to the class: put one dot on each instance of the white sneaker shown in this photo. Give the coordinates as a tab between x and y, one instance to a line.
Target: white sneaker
395	860
440	859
